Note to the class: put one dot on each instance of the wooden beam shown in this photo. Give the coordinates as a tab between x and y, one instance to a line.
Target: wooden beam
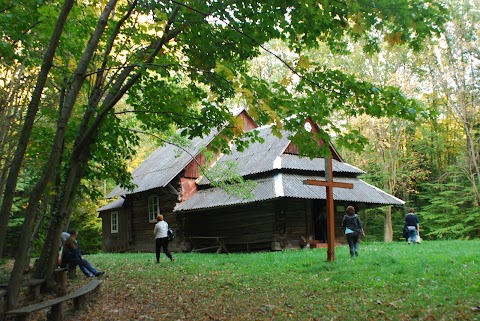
329	185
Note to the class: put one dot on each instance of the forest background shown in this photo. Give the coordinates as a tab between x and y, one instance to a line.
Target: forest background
88	90
431	162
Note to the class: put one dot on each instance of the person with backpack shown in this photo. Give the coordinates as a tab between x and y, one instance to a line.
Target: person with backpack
161	238
412	225
352	227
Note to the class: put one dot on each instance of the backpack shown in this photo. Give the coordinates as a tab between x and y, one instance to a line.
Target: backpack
170	234
351	222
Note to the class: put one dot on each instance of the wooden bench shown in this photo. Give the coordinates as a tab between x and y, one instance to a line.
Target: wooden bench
56	312
203	243
33	285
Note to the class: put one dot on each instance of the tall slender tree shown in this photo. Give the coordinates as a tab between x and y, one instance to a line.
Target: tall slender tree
32	110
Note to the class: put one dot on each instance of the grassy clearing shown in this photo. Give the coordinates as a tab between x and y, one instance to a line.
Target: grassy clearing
433	281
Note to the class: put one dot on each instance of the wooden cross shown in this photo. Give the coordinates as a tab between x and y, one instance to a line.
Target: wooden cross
329	184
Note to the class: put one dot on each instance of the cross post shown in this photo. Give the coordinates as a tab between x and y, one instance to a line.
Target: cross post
329	184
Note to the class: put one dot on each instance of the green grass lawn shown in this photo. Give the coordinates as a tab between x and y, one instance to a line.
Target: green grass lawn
432	281
436	280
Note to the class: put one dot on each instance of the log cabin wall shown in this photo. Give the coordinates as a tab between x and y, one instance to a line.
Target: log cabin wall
247	227
135	230
339	213
293	223
299	222
115	241
277	224
143	238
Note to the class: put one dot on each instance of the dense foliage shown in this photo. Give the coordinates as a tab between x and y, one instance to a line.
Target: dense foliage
433	163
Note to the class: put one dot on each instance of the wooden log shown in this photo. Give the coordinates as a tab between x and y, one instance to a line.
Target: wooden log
72	271
56	312
61	278
33	287
80	303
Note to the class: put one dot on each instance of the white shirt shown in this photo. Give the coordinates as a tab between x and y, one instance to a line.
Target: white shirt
64	237
161	229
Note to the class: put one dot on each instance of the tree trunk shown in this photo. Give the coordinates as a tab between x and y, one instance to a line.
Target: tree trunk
80	157
29	120
12	110
78	80
387	227
63	209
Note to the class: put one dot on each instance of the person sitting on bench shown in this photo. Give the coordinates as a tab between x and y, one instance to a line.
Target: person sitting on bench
72	255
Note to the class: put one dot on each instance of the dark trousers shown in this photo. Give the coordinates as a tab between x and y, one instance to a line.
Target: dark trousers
352	240
84	265
87	268
159	243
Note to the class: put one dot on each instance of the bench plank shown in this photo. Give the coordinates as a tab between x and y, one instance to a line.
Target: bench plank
33	286
90	286
56	303
26	283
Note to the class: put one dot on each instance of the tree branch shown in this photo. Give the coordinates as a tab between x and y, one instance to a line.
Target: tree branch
286	64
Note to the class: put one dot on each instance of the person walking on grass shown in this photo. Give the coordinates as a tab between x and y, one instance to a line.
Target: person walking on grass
161	238
412	224
352	227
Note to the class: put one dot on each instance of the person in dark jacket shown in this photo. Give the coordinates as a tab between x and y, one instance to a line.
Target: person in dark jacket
72	256
412	224
352	227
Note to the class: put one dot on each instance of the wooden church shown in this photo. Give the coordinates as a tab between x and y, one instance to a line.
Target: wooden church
281	213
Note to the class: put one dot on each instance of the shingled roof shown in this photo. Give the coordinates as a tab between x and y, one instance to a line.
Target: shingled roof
267	156
291	186
163	165
276	173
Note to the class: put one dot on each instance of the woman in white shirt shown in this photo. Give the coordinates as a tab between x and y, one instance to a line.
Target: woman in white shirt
161	238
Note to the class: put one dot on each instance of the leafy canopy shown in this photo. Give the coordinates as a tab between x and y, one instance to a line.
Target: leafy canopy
194	58
207	64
